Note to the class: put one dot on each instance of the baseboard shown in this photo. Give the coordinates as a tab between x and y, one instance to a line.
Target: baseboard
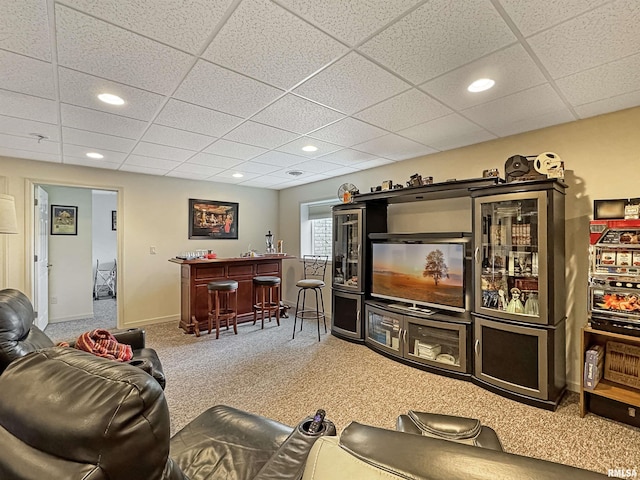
152	321
84	316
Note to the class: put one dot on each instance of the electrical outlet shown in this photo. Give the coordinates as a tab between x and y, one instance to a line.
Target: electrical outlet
54	300
152	250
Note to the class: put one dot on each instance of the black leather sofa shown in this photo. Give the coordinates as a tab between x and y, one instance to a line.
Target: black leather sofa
66	414
19	336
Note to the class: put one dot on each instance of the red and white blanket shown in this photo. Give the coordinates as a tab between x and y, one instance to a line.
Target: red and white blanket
103	344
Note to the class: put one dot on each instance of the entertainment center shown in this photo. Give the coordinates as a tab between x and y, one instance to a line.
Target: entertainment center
485	305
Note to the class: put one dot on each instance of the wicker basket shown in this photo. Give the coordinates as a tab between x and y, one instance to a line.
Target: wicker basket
622	364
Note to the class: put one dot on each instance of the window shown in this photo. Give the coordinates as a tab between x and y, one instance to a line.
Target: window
316	227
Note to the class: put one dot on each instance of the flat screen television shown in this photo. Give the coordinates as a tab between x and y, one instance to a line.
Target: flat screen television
421	270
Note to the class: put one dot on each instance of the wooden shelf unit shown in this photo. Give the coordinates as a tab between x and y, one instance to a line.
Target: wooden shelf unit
605	388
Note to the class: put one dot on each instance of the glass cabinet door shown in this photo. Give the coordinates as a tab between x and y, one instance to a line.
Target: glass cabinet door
384	329
346	250
437	343
511	256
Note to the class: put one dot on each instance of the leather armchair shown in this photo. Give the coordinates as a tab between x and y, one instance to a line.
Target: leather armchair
67	414
19	336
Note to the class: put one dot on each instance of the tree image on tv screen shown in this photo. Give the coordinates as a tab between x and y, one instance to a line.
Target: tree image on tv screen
436	267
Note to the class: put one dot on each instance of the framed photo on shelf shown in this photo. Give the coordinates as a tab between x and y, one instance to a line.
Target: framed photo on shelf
64	220
213	219
114	217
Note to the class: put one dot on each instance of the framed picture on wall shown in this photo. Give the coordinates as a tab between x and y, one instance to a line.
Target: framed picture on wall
64	220
213	219
114	216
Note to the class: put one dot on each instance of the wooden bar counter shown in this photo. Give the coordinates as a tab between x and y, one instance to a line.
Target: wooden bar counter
196	274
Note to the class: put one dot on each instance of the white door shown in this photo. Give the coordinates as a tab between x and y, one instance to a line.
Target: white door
41	250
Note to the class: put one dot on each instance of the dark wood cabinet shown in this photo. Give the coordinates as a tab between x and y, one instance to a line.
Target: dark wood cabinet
196	274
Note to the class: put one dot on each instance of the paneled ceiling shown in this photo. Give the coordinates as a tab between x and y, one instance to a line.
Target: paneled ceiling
214	88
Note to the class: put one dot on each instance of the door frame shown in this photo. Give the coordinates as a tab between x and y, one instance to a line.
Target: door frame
29	237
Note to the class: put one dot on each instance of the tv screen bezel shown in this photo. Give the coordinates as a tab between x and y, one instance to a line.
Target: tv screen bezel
444	238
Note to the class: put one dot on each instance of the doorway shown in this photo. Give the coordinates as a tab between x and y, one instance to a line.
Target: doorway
66	258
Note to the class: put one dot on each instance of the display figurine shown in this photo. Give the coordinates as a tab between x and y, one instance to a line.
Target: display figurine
515	304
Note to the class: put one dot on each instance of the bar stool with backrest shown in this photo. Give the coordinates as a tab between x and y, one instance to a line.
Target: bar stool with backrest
314	267
267	298
221	309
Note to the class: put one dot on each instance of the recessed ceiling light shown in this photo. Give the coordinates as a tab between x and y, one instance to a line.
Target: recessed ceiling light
295	173
481	85
237	175
111	99
95	155
310	148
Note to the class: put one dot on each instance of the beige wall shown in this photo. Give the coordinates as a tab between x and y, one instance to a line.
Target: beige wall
602	158
152	211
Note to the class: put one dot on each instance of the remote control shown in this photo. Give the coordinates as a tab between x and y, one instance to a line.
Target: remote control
316	424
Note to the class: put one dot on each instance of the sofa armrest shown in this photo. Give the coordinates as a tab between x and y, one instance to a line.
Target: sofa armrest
136	337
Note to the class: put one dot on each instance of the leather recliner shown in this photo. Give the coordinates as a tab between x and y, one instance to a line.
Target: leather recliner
67	414
19	336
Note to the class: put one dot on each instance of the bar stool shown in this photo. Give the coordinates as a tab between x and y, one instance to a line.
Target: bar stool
314	267
223	311
267	298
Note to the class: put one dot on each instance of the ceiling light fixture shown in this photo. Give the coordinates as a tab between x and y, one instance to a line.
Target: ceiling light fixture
310	148
481	85
111	99
237	175
295	173
95	155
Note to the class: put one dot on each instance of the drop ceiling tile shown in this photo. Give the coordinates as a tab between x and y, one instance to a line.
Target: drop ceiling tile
527	110
140	169
214	160
266	42
215	87
448	132
295	147
26	75
600	36
439	36
98	48
343	171
348	132
394	147
296	115
100	122
263	181
260	135
280	159
157	163
602	82
351	21
531	17
30	144
189	26
89	162
609	105
351	84
284	174
347	157
72	136
254	167
512	69
28	155
28	107
376	162
81	152
196	119
80	89
202	171
317	166
24	128
25	28
162	151
176	138
404	110
227	148
186	175
227	177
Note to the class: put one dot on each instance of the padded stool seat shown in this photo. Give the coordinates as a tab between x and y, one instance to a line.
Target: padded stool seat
448	427
223	311
314	267
267	298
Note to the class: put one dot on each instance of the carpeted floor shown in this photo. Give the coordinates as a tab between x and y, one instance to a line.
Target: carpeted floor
104	316
268	373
